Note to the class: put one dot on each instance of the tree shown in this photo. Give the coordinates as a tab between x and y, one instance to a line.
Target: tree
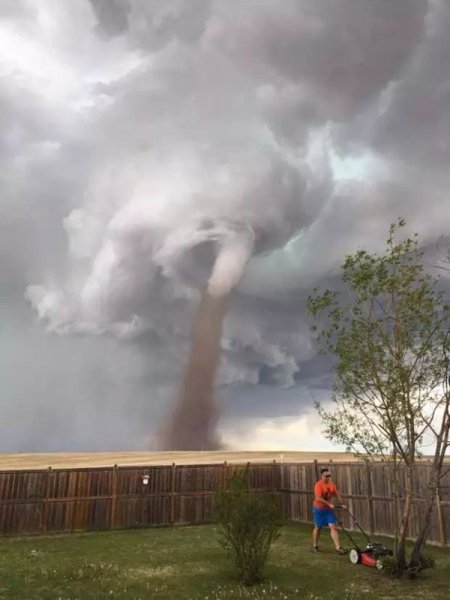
389	334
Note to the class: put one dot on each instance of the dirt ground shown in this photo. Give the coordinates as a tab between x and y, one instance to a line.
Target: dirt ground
106	459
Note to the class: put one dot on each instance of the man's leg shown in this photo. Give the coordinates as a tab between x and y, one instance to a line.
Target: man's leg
316	534
335	536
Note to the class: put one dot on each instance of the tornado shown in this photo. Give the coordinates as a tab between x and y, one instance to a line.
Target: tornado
193	423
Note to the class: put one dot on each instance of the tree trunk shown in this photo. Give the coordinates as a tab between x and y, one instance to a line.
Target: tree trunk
425	522
401	542
433	486
394	484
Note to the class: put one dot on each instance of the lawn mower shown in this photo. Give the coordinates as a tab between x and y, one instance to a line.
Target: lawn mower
372	554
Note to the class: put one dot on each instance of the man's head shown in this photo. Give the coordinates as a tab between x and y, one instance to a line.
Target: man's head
325	474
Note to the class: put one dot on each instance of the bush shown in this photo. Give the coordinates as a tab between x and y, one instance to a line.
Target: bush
390	567
427	562
249	522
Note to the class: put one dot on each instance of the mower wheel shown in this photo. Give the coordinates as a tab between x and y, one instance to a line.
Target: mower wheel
354	556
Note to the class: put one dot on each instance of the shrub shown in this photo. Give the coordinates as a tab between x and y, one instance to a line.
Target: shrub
390	567
248	523
427	561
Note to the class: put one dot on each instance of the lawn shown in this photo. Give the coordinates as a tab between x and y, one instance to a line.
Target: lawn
186	562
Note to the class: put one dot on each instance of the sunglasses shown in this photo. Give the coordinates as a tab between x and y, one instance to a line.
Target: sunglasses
327	476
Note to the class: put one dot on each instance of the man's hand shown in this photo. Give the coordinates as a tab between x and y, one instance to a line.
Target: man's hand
331	505
344	506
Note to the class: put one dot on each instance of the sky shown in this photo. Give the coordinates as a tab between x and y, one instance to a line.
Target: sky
136	136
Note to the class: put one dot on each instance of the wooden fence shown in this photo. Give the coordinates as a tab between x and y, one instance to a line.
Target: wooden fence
65	500
367	489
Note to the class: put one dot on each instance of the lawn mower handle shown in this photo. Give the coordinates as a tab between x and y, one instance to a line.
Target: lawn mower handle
355	522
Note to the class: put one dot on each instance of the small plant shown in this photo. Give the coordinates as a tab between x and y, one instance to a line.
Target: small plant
267	591
249	522
390	566
93	571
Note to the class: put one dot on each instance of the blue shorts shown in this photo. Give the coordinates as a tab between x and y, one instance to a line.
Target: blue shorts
324	517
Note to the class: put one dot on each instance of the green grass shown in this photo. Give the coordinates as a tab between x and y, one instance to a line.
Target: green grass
187	563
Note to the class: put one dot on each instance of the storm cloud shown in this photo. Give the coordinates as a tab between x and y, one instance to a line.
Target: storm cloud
137	136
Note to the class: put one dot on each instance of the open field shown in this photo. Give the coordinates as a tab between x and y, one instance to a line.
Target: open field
184	563
107	459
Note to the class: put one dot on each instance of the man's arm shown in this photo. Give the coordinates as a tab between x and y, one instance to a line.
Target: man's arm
339	498
322	499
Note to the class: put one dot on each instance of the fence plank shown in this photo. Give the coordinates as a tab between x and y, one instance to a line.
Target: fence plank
172	496
442	532
45	500
369	498
114	497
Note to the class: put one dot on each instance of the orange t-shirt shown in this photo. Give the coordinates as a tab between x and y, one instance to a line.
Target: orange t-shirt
325	490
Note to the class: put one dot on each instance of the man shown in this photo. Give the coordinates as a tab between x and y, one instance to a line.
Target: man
323	509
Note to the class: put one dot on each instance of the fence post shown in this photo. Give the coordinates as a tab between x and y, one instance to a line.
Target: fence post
369	497
46	496
440	516
172	494
316	469
349	501
225	475
114	496
285	482
274	476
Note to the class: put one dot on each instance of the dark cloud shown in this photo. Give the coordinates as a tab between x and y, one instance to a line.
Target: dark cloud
339	53
415	123
153	24
112	15
17	9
